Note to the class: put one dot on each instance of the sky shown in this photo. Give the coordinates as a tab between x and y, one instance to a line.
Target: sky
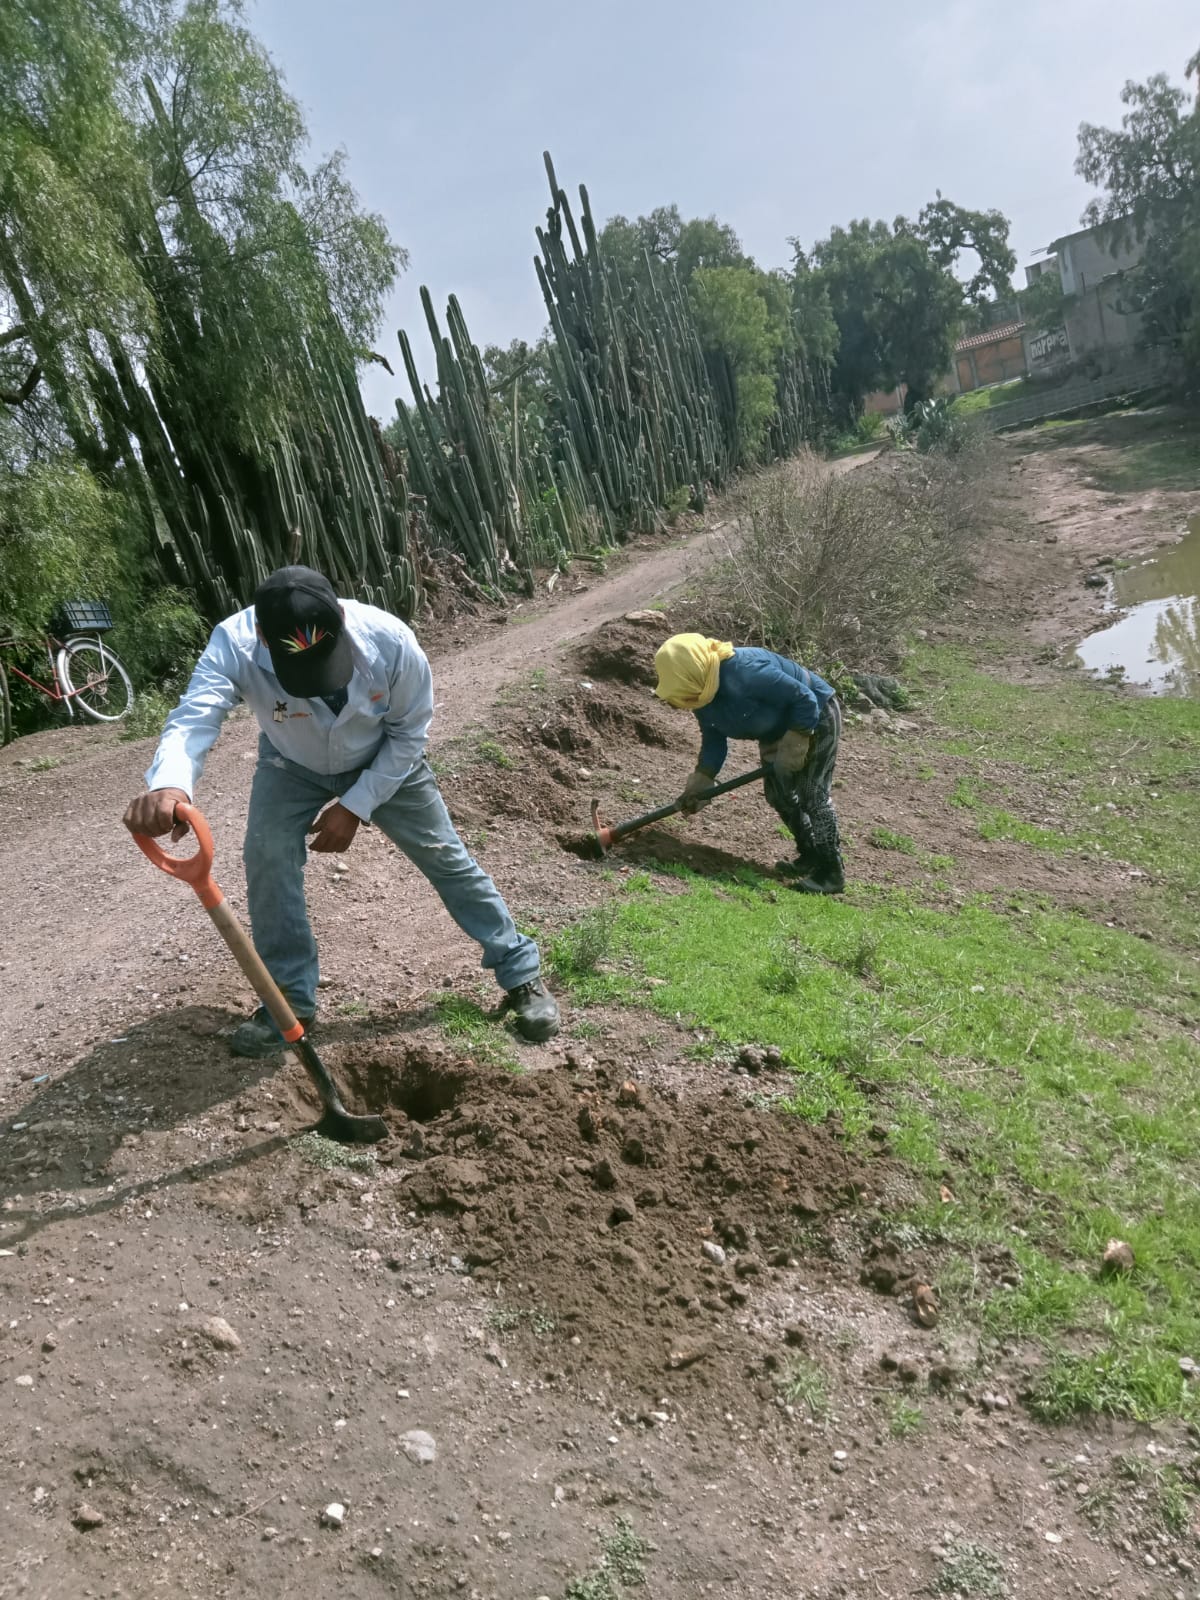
781	117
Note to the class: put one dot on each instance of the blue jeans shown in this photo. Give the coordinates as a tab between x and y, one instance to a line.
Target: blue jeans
285	799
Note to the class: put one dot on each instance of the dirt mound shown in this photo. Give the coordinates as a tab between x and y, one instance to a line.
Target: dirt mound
648	1231
623	652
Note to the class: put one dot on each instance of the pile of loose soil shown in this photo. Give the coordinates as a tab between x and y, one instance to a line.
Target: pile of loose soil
644	1223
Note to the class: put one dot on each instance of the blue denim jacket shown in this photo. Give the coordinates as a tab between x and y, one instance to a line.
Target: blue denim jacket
761	696
382	728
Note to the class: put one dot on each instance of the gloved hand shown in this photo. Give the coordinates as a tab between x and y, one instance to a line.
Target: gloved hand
791	753
690	800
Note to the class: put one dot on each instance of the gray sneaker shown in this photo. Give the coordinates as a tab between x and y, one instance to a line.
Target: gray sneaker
258	1036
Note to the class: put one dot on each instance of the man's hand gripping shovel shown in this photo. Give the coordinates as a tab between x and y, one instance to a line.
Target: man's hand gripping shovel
197	870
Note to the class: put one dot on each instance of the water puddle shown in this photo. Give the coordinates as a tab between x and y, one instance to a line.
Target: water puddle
1156	643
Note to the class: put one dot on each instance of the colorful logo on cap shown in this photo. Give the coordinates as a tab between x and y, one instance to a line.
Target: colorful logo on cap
304	638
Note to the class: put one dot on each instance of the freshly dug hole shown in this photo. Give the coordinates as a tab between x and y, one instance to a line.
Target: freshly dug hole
420	1082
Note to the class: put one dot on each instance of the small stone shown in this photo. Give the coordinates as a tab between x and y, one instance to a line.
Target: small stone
1096	580
419	1446
50	1343
496	1356
1053	1538
219	1334
334	1514
713	1251
25	1381
629	1094
687	1355
925	1307
1118	1257
1187	1366
87	1517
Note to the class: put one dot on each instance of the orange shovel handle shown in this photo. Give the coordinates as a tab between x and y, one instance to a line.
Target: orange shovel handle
196	869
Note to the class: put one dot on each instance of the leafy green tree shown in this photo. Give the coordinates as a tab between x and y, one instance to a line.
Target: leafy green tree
949	230
896	308
663	235
744	316
1150	172
1042	303
180	297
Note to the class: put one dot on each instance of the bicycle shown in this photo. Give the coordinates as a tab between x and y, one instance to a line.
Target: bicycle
84	671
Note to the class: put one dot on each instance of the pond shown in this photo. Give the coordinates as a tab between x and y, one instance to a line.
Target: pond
1156	642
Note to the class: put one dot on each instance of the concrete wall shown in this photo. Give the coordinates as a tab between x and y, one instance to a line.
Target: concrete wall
1094	323
1083	260
1033	273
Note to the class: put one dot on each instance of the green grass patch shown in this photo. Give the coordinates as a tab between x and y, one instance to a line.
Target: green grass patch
469	1026
885	839
1170	462
803	1384
996	394
621	1566
1125	772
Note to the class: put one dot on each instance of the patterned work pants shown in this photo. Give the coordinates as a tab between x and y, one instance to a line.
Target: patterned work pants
806	808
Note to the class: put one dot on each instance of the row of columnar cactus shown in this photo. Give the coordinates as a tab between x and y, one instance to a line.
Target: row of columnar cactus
641	419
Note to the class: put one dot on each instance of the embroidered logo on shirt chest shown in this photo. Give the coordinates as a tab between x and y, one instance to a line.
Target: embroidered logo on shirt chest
280	711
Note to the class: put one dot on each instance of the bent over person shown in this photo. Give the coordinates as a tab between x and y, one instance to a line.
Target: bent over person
756	694
344	698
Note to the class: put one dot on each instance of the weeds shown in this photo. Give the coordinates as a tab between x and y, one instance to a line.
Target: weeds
803	1383
495	755
885	839
507	1319
45	763
970	1570
839	567
904	1418
1166	1495
621	1566
325	1153
150	710
580	949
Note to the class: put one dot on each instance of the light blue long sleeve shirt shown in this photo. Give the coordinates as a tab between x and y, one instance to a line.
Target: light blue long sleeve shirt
382	728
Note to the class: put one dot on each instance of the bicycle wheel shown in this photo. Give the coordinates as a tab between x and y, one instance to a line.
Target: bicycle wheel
95	680
5	708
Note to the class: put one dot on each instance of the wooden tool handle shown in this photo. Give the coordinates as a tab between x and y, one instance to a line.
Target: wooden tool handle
251	963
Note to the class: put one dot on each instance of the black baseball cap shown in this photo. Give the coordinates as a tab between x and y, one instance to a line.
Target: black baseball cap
299	616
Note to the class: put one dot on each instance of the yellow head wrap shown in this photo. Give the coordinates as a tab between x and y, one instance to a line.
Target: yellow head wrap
689	670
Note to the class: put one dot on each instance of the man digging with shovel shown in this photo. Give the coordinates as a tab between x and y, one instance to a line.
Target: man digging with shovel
794	715
344	698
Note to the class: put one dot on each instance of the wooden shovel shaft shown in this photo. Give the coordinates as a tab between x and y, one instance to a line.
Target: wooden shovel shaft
251	963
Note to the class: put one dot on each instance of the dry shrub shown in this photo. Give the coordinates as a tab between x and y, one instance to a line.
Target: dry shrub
838	567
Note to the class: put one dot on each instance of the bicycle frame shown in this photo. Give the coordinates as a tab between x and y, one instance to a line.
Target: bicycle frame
57	694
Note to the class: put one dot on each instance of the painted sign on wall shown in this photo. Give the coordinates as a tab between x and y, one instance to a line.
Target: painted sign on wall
1047	348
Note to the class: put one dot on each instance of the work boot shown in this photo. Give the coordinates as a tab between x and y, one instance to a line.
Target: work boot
799	868
535	1010
826	877
258	1036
